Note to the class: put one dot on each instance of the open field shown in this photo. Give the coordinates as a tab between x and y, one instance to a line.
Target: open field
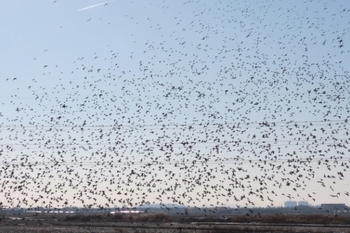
164	223
167	227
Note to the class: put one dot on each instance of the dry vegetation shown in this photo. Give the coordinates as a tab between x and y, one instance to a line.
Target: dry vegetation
158	217
164	223
294	219
161	218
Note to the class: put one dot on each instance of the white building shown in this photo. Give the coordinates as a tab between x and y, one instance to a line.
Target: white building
303	203
290	204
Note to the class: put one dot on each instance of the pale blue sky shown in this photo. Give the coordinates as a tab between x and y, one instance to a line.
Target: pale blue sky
126	84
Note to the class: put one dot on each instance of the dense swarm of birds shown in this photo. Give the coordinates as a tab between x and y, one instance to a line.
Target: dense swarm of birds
215	103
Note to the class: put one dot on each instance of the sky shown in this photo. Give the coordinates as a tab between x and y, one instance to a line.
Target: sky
198	103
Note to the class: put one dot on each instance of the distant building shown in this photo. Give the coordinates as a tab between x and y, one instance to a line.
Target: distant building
290	204
303	203
336	207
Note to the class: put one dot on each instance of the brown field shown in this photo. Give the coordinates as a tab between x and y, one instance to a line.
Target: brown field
167	228
148	223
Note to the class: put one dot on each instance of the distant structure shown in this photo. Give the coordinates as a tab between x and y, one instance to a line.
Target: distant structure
336	207
290	204
303	203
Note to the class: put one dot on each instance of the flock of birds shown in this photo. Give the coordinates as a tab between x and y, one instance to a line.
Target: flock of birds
221	110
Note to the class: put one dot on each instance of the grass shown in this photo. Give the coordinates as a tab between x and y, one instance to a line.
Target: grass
293	219
162	218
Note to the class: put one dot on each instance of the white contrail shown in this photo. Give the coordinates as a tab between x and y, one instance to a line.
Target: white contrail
89	7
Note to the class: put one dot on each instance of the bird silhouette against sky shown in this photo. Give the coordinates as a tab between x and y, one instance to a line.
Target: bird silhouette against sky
194	103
